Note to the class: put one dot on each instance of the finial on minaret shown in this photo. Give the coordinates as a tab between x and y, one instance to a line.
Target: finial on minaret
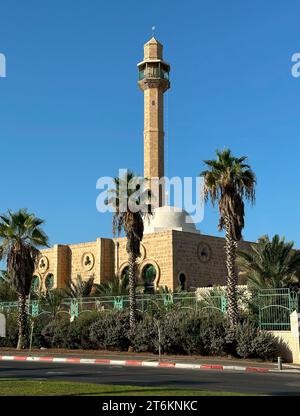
153	31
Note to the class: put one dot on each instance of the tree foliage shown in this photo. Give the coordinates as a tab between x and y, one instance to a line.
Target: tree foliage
21	236
270	264
229	181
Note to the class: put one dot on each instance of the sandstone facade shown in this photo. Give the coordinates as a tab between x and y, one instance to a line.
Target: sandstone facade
174	254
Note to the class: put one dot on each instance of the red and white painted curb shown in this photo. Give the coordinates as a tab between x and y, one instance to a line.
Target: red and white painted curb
137	363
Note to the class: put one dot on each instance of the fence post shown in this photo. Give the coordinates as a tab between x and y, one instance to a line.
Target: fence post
74	309
118	302
168	299
159	338
2	325
279	363
31	336
34	308
293	296
223	303
295	330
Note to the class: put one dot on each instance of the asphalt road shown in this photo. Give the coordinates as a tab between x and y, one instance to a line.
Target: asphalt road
241	382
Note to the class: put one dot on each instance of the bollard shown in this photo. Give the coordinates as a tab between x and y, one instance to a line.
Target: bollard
279	362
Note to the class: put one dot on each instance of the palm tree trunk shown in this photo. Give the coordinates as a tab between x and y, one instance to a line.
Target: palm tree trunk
22	322
230	248
132	286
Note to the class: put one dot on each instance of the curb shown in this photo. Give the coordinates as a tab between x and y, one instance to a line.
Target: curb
137	363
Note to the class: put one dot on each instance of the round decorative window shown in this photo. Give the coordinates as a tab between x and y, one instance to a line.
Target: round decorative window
88	261
43	264
49	282
204	252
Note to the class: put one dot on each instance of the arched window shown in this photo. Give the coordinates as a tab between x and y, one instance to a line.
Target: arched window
125	272
35	283
182	281
124	277
49	282
148	276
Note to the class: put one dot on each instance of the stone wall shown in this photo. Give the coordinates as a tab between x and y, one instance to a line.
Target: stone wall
107	259
63	265
157	250
50	260
290	340
201	258
66	262
85	260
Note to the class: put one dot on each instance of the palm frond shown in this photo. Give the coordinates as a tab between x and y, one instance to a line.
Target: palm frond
229	181
270	263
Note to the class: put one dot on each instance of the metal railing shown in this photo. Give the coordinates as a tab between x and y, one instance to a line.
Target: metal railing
153	73
275	307
145	303
272	307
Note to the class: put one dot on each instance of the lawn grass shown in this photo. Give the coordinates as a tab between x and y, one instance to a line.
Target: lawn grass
65	388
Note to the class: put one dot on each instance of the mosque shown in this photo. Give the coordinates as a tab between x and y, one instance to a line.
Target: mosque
174	253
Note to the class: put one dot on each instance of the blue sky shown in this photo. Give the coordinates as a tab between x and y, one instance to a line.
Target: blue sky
71	111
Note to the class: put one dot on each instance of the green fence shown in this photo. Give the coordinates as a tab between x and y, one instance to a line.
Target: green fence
145	302
275	307
271	308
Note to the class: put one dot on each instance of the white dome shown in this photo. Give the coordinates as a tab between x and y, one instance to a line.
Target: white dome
170	218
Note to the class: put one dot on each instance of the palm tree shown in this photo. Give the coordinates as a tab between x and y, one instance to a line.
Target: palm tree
79	288
228	181
51	301
20	240
7	291
270	264
113	287
130	202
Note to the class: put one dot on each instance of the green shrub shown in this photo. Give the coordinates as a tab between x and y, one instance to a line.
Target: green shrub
211	339
174	332
254	343
145	337
111	331
54	334
182	332
79	330
61	333
39	323
12	331
245	333
265	346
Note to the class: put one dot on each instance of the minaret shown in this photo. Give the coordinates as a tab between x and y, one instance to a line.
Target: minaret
154	81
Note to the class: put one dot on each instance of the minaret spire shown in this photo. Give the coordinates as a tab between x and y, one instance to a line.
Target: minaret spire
154	81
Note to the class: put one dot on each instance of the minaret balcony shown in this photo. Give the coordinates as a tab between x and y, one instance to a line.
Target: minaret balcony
153	73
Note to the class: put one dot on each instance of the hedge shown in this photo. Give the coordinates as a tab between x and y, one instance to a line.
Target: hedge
182	332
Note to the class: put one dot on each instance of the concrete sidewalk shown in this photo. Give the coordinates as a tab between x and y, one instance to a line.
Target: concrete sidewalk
141	359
